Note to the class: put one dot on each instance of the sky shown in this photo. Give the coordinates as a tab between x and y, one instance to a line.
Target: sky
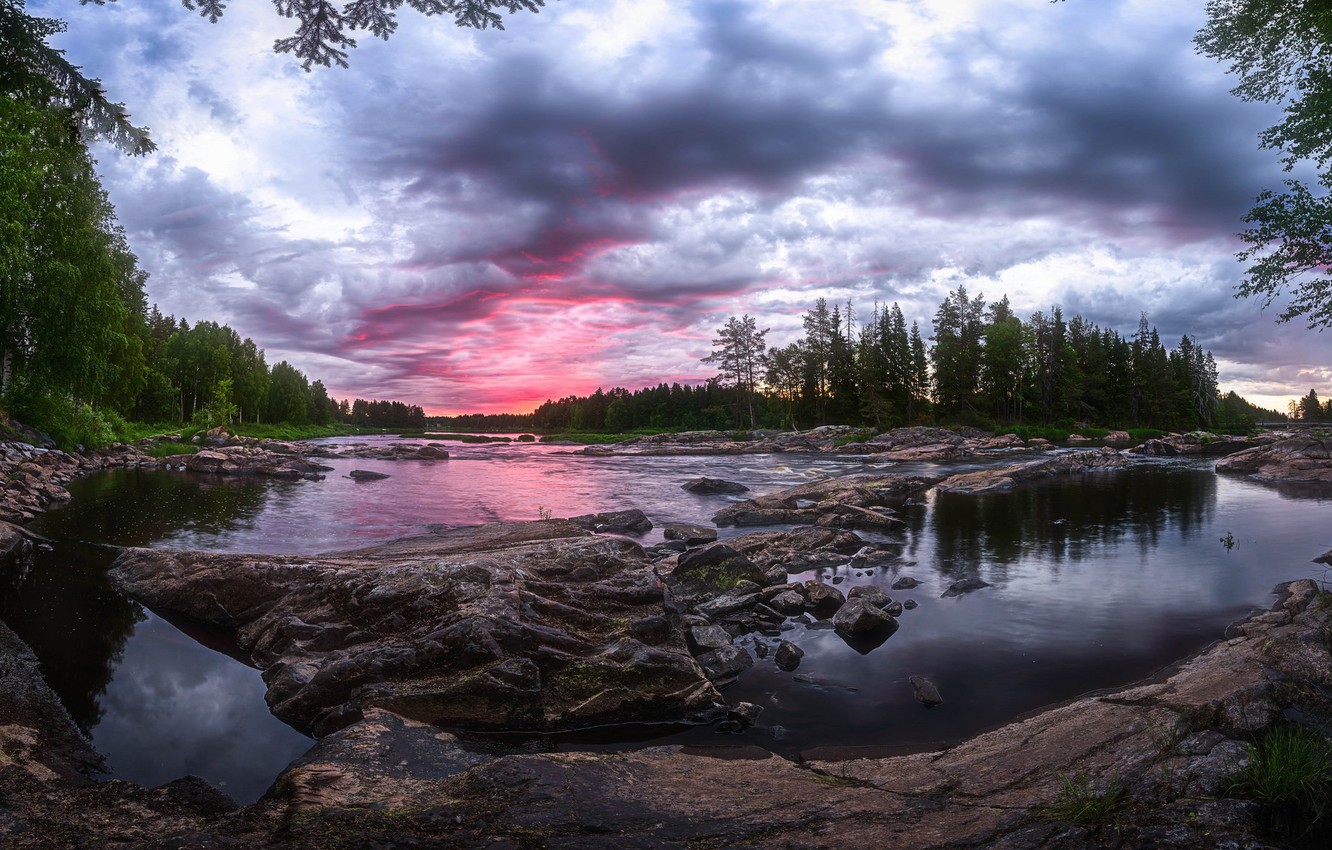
479	221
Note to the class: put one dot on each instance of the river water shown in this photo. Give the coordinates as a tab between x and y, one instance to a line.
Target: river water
1096	581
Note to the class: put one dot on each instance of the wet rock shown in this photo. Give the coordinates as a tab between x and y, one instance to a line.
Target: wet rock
713	487
905	583
838	579
431	453
709	570
725	662
798	549
509	626
966	585
1293	459
690	535
788	602
706	638
845	502
860	617
910	604
367	475
788	656
631	521
822	600
727	603
1004	478
925	692
895	608
746	712
871	593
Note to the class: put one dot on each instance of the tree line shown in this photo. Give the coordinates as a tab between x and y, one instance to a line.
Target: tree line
982	365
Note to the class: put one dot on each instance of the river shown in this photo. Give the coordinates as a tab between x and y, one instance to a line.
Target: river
1096	581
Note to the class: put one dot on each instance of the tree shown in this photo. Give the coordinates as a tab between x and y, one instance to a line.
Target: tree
33	71
786	369
322	27
958	333
1282	52
739	352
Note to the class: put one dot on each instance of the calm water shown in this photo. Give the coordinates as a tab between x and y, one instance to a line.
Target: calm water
1097	581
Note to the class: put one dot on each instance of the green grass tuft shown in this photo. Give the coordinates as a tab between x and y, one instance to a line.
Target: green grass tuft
1078	802
1290	774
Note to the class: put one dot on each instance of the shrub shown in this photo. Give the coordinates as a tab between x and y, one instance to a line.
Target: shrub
1079	802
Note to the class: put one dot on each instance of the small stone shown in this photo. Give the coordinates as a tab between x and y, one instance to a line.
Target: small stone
905	583
746	712
823	600
966	585
838	579
363	474
894	608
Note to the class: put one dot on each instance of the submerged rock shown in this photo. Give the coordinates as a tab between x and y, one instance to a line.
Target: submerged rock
925	692
513	626
966	585
367	475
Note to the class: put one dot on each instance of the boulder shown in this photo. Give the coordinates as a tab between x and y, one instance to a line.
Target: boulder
860	617
725	662
788	656
871	593
710	570
713	487
822	600
431	453
690	535
631	521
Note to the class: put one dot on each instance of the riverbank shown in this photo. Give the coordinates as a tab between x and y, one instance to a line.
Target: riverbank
345	793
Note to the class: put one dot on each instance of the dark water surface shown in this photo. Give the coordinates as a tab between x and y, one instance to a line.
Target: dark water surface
1097	581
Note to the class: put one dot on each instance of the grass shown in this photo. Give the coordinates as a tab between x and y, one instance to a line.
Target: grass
858	437
1141	435
168	449
1079	802
1290	774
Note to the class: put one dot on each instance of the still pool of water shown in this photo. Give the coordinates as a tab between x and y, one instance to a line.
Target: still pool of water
1096	581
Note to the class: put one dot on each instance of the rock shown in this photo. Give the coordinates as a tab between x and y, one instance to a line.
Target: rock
798	549
1119	438
727	603
527	438
910	604
905	583
367	475
788	602
725	662
1298	458
788	656
962	586
871	593
895	608
709	570
631	521
746	712
713	487
925	691
706	638
845	502
1007	477
690	535
511	626
431	453
822	600
859	617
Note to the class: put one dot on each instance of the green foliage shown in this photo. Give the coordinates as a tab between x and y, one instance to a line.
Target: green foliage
1141	435
1282	52
1290	774
1079	802
167	449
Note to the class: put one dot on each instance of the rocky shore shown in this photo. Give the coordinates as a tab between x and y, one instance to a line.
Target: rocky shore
564	625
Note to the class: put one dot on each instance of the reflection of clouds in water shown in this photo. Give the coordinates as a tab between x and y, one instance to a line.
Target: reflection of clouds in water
176	708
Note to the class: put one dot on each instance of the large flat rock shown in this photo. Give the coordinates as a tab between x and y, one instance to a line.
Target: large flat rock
512	626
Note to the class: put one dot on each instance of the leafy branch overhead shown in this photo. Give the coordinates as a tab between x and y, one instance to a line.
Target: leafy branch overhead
33	71
322	32
1281	50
